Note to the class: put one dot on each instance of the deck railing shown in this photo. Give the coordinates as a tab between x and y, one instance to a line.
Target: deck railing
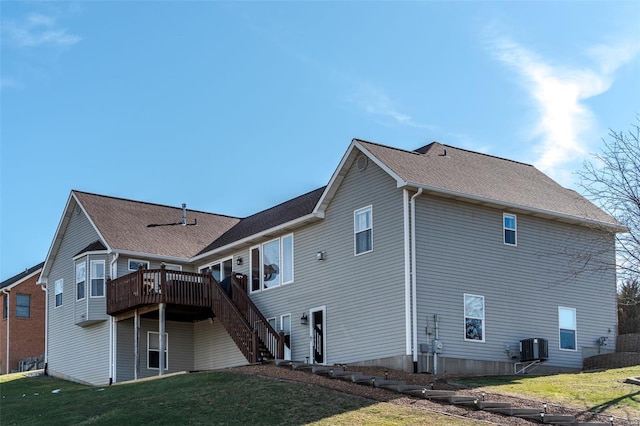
231	305
153	286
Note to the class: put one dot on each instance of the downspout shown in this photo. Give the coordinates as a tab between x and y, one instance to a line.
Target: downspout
46	328
407	271
112	344
413	280
6	293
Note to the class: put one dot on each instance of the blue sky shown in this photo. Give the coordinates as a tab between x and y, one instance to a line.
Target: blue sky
233	107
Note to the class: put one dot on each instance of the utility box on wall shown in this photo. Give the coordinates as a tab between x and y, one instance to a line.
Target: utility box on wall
534	349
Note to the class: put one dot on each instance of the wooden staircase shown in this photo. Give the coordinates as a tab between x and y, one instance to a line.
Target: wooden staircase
249	329
473	402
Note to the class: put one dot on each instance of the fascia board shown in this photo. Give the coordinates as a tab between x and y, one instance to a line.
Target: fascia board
57	239
23	279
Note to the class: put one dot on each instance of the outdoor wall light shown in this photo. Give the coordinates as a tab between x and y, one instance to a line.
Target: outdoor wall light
320	255
239	261
304	319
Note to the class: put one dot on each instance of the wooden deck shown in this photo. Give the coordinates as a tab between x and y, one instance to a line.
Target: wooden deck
154	286
228	302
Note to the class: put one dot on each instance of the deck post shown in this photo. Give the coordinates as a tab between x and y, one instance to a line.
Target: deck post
136	343
280	354
254	347
161	315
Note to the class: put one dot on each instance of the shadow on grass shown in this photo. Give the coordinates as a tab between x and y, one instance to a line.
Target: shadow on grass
632	397
211	398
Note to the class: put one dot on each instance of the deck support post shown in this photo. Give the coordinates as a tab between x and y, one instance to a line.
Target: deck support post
136	345
161	315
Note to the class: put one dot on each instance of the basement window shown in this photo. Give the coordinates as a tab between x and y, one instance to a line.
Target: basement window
153	350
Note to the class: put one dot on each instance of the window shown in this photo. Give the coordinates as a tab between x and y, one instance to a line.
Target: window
567	325
97	278
153	350
272	264
58	290
23	306
135	263
81	278
219	270
474	317
509	225
363	230
272	323
5	306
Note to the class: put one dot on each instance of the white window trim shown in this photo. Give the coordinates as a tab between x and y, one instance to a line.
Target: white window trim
166	349
136	260
575	330
355	233
85	279
260	248
104	279
282	323
464	318
514	229
56	292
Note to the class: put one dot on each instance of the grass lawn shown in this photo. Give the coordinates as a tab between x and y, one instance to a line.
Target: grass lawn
220	398
602	392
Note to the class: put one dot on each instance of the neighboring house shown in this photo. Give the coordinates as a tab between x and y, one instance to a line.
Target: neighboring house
23	319
438	259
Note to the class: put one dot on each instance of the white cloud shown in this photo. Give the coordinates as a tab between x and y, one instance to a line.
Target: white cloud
559	93
37	30
375	101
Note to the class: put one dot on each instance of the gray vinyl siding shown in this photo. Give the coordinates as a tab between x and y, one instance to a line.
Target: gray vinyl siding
180	346
81	353
123	265
364	294
213	347
125	353
460	250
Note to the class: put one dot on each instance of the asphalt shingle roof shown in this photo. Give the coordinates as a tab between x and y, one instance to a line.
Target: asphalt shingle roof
482	176
270	218
124	224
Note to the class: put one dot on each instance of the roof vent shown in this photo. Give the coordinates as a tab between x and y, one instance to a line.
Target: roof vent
362	162
444	153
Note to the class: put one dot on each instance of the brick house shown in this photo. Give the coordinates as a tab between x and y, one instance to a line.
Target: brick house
22	327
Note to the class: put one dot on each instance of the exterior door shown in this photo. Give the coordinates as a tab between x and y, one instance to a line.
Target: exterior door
318	333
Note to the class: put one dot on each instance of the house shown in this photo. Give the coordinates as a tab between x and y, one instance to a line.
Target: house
23	319
438	259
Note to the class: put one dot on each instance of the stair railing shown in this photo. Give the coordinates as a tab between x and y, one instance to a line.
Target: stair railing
234	322
270	338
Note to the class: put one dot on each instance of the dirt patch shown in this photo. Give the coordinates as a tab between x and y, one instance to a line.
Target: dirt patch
429	381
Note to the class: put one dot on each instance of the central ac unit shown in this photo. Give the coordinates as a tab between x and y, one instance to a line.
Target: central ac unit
534	349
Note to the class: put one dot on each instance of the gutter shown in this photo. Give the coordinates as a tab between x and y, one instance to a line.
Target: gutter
413	280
